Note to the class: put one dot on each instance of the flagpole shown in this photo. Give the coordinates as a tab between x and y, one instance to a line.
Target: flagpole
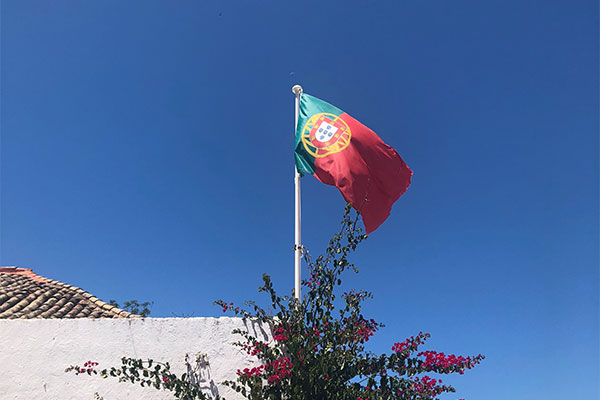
297	90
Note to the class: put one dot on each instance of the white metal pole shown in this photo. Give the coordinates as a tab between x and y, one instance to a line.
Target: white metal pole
297	90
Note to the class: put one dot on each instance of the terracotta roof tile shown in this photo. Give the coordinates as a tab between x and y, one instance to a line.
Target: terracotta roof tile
24	294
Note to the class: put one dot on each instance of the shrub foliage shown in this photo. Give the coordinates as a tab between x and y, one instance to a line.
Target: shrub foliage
316	349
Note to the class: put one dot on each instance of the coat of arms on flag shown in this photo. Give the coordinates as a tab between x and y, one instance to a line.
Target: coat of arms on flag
324	134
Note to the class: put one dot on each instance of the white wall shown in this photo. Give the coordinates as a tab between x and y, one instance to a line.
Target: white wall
34	354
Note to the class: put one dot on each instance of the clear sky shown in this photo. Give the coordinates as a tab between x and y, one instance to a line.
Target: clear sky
147	154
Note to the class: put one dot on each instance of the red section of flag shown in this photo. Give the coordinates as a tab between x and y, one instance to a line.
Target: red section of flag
369	174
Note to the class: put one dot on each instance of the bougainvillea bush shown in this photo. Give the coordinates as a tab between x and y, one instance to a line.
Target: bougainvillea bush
318	349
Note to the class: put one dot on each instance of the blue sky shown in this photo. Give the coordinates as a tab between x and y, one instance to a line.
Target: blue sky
147	154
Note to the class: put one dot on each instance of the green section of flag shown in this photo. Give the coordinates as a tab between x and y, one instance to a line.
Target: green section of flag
309	106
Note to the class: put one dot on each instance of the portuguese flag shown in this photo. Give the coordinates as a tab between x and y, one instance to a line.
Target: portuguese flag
340	151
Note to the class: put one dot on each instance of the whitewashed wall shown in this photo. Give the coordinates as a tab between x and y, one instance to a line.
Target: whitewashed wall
34	354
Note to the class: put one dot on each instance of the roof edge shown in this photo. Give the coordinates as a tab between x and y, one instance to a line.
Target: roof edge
28	272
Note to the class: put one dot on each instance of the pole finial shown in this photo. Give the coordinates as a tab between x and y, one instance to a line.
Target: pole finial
297	89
